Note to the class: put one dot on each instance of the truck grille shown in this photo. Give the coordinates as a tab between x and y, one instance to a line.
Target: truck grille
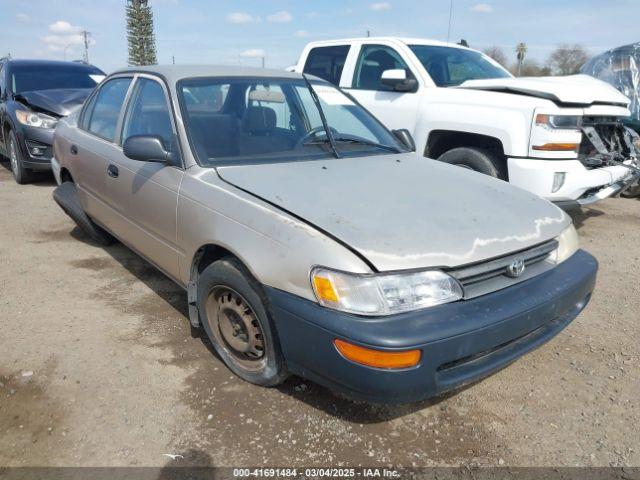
490	276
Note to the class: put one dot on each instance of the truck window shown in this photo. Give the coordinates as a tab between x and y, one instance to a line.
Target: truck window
373	60
327	62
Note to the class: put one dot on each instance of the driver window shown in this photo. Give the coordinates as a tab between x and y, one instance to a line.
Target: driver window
373	60
148	113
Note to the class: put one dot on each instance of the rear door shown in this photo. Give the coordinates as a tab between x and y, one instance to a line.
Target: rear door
145	194
327	62
94	144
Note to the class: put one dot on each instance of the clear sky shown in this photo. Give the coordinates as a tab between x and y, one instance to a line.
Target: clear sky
242	31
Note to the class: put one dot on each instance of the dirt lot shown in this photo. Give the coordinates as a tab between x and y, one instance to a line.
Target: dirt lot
98	367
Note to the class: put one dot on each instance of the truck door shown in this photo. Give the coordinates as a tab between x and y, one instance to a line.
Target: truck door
394	108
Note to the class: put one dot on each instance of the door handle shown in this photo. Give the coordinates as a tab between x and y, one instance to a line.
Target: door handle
74	150
112	171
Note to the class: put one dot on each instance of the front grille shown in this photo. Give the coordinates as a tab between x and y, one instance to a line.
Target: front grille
486	277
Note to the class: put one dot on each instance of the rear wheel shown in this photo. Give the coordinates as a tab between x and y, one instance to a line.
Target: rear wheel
234	313
477	159
21	174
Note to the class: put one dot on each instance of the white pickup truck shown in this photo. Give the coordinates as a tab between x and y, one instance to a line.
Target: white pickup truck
559	137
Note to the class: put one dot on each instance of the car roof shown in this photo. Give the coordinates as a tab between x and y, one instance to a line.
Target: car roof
174	73
45	63
405	40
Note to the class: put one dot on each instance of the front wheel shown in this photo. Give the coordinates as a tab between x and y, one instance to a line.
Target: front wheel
21	174
477	159
234	312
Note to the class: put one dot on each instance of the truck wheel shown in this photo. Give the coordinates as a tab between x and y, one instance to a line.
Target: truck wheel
476	159
66	196
20	173
235	314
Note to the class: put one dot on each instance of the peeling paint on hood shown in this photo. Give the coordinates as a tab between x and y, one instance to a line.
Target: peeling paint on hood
405	211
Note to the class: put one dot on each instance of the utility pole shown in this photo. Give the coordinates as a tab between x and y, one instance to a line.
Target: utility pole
173	59
263	59
85	37
450	17
368	33
521	50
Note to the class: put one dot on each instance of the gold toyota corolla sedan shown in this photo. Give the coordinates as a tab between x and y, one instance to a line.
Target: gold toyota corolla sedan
310	239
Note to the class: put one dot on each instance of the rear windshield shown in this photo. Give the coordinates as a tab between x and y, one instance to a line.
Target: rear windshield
29	78
448	66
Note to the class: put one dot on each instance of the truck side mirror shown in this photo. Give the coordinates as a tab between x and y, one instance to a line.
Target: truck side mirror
397	79
405	138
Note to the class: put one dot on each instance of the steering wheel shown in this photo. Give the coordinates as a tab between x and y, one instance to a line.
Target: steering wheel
311	134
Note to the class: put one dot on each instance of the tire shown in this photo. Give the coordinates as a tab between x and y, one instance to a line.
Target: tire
476	159
236	316
66	196
21	174
631	192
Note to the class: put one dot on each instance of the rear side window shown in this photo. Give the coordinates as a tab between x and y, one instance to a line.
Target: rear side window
102	114
327	62
149	113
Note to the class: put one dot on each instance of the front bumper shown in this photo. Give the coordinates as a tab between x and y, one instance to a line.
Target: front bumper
461	342
581	186
32	137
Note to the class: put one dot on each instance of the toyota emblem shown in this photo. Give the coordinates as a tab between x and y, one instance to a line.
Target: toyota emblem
515	268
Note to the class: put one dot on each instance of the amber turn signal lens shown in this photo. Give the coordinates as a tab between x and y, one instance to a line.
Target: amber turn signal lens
557	147
377	358
324	289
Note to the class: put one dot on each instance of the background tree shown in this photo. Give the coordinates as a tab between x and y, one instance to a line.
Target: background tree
140	36
497	54
567	59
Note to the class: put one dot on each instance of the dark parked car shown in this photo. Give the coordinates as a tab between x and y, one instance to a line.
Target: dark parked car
34	95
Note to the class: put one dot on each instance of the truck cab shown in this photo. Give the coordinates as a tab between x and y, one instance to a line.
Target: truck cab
558	137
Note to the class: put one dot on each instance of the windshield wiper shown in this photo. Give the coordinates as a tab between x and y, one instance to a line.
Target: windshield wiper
325	125
364	141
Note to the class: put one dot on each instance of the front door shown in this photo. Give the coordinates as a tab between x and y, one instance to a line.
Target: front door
395	109
146	193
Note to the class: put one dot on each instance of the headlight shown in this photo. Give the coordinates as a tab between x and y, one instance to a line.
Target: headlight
568	244
383	294
35	119
562	122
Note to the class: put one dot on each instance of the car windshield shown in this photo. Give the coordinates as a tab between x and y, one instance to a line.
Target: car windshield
29	78
448	66
247	119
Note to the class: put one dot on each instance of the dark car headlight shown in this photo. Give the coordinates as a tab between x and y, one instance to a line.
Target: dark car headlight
36	119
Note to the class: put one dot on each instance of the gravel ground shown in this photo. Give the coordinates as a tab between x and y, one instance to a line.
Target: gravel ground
99	367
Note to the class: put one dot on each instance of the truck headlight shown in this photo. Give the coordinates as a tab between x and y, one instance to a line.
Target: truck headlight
383	294
35	119
562	122
568	244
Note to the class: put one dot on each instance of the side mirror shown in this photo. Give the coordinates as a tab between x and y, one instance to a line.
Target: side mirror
146	148
397	79
405	138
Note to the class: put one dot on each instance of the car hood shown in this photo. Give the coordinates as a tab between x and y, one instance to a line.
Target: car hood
573	89
405	211
60	102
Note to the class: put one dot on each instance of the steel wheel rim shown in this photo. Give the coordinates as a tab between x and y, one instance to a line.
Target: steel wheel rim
236	327
13	157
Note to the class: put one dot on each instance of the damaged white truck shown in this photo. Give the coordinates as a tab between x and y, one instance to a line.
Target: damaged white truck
558	137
